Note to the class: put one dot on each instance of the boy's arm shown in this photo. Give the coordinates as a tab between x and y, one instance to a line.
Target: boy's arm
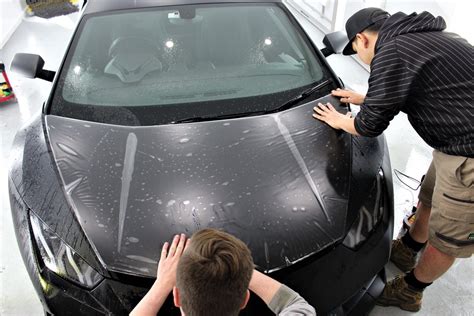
165	278
280	299
152	301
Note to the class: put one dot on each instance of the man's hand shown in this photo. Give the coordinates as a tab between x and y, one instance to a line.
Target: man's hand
328	114
348	96
165	278
166	275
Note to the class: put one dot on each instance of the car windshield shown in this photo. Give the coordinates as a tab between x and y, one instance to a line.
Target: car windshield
183	61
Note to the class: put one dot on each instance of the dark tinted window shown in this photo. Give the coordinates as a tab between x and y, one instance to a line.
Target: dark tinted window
175	62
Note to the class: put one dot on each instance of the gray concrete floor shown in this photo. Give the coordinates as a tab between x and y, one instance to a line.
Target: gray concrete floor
451	294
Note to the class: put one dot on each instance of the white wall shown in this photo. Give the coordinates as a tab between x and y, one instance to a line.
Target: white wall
457	13
11	15
459	18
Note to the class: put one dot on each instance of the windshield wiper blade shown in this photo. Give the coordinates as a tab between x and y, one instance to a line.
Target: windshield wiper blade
303	95
217	117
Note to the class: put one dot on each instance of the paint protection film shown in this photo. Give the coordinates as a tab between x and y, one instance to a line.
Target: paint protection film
279	182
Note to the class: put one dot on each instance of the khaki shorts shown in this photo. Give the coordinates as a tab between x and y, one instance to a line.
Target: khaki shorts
448	188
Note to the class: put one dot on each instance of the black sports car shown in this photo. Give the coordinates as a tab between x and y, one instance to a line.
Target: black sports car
171	116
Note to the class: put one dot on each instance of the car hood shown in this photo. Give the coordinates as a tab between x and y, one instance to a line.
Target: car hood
279	182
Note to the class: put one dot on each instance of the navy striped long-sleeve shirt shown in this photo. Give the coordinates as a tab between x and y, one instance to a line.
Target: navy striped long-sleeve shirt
428	74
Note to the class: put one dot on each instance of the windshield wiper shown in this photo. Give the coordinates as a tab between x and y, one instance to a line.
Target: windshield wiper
217	117
288	104
303	95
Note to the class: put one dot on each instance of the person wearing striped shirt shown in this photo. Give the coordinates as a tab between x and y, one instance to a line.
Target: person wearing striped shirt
427	73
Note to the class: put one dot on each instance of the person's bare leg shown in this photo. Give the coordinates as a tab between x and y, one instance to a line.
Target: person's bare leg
406	291
433	264
420	228
405	250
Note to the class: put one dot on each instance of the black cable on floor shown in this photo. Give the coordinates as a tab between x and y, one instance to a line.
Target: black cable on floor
398	173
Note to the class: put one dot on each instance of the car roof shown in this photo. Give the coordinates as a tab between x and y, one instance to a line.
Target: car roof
95	6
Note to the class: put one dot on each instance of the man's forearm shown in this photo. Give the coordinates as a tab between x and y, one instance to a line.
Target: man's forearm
152	301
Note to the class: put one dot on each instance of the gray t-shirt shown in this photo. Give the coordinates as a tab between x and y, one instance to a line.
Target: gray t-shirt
287	302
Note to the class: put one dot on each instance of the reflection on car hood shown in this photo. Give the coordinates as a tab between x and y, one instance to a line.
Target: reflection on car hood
279	182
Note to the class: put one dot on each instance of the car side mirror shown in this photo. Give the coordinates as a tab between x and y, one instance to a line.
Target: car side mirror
334	42
31	66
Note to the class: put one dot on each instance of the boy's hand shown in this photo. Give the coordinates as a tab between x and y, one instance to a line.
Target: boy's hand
348	96
166	275
165	278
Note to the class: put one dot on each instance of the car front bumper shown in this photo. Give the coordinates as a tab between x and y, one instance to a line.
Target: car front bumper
339	281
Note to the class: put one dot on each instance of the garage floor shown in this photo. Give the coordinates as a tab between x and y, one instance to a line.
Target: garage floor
451	294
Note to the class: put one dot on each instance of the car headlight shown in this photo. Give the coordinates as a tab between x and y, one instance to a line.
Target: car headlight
369	214
60	258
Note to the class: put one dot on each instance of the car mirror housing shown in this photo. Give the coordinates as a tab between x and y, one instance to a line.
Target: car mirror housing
334	42
31	66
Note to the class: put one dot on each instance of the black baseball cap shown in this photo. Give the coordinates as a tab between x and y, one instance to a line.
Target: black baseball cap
359	21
